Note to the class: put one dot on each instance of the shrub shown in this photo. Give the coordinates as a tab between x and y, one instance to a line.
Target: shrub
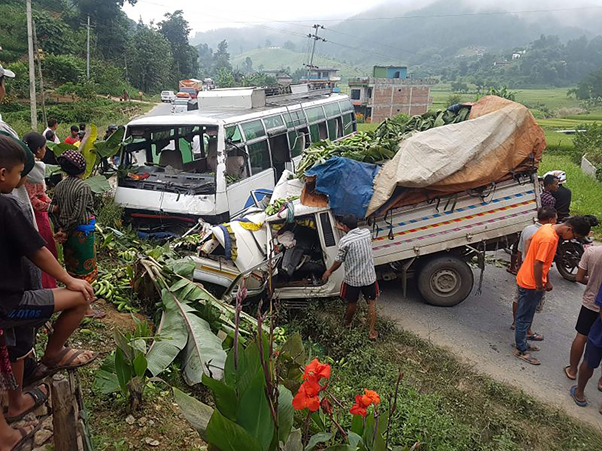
64	68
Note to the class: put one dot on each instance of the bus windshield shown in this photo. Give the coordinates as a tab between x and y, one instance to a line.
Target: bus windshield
181	159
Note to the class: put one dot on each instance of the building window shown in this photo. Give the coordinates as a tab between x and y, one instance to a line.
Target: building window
396	74
355	94
369	93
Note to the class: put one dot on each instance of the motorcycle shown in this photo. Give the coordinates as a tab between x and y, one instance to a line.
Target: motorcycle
569	253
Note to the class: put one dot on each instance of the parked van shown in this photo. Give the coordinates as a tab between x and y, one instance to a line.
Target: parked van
204	164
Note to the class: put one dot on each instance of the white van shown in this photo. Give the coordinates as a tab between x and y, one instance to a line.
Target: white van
167	96
205	163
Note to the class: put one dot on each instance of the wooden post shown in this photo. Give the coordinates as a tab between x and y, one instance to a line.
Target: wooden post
64	417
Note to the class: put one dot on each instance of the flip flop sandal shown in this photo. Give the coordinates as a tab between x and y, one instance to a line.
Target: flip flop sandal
530	347
535	337
25	436
580	403
46	369
525	357
39	398
573	378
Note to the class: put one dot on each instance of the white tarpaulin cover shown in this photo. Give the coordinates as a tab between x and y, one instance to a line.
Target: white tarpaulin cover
500	137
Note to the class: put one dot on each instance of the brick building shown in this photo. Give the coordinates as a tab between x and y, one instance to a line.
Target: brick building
389	92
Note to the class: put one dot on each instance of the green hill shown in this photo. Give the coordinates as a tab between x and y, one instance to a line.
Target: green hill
279	58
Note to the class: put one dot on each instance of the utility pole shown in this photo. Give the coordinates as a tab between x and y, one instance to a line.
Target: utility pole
315	38
88	51
40	57
32	75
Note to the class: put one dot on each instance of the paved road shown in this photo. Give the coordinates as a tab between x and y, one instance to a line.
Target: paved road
478	331
159	110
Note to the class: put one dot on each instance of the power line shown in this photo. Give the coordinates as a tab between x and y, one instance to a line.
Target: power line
414	16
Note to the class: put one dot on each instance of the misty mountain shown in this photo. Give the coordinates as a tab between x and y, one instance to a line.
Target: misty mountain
420	36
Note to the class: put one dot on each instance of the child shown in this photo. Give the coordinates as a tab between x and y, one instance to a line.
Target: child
36	188
76	221
18	307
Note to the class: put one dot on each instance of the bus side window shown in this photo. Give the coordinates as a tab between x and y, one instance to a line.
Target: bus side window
296	142
280	153
259	156
334	129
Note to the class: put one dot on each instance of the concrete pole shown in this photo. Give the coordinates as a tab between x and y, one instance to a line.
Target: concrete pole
32	75
88	51
38	50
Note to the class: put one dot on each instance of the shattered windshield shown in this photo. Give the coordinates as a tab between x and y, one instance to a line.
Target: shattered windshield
179	158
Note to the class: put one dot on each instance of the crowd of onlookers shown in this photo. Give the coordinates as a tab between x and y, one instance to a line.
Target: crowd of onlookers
31	223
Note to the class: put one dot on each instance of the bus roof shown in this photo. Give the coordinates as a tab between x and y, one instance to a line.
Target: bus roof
228	116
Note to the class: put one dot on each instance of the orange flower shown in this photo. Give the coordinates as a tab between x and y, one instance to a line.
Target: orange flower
358	408
317	371
374	397
307	396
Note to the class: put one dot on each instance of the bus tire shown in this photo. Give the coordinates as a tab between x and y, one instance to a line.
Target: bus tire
445	281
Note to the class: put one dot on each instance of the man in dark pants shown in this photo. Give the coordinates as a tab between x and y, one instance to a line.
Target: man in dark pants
532	278
355	250
591	360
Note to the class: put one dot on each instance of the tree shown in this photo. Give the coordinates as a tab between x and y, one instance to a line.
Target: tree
268	43
590	87
111	25
225	79
176	30
289	45
205	60
150	62
221	58
247	65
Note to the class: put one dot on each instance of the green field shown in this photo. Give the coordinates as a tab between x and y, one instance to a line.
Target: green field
273	59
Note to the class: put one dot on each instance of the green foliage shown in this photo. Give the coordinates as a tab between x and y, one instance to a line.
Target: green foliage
221	58
242	411
502	92
125	369
225	78
590	88
64	68
454	99
458	86
85	90
151	60
176	30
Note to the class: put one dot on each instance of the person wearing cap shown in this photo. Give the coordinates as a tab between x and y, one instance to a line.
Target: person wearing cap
25	308
20	192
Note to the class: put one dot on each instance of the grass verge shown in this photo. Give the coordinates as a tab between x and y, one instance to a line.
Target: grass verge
443	403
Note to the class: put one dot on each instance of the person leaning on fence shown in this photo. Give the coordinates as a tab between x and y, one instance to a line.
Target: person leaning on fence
355	250
532	278
18	307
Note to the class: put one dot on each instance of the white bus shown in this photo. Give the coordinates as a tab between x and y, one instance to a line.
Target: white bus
207	163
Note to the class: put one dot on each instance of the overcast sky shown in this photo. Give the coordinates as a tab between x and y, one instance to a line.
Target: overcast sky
204	16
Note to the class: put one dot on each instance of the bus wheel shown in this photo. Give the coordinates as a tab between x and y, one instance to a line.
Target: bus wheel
445	281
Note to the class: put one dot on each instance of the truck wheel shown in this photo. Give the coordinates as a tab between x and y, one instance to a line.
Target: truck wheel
445	281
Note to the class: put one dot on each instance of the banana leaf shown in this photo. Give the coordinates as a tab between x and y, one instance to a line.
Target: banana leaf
202	349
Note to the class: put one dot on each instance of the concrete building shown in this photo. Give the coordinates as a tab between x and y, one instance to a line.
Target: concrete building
321	77
389	92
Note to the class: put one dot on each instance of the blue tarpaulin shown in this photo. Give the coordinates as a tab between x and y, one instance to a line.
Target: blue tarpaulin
347	183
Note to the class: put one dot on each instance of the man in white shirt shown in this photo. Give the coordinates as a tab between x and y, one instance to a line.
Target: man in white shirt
50	132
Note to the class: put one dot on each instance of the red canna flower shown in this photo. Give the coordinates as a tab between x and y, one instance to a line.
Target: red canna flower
307	396
358	408
374	397
317	371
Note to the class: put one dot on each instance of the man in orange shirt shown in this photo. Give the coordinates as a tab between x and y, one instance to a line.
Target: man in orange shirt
532	278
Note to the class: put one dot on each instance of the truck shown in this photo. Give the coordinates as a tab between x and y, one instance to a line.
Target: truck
434	242
190	85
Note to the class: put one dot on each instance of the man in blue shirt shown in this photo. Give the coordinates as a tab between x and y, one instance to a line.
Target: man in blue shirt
592	358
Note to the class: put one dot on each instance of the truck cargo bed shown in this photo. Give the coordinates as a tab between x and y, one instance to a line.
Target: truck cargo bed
455	220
